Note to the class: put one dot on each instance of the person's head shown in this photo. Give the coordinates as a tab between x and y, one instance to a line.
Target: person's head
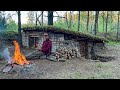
46	36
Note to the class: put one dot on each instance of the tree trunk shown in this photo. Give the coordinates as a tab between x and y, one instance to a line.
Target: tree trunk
67	20
87	21
78	20
19	29
96	22
111	19
50	17
118	26
97	26
103	20
70	20
106	23
36	18
42	18
91	29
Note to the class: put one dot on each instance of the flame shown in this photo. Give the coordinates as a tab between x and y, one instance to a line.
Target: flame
18	57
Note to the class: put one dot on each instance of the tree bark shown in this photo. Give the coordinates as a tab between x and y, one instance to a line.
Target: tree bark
87	21
106	23
70	20
118	26
50	17
36	18
91	29
19	29
42	18
103	20
67	20
96	22
78	20
111	19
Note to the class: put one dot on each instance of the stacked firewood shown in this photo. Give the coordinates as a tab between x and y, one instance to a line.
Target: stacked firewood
66	53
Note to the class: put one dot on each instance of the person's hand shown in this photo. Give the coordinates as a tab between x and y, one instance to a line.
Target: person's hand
40	49
37	48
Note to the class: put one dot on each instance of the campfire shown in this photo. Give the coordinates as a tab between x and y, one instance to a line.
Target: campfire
18	58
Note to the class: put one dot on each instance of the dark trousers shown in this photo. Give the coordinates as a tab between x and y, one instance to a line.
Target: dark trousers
35	55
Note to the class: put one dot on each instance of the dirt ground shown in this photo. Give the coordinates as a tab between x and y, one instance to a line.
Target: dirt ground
71	69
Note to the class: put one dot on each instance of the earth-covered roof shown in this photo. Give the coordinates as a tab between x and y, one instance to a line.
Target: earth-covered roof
65	31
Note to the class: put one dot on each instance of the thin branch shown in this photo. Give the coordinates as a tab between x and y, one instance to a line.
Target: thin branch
17	12
39	15
57	13
59	16
39	22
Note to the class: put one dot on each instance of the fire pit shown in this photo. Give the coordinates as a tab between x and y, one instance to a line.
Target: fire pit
7	68
18	67
12	67
30	71
17	59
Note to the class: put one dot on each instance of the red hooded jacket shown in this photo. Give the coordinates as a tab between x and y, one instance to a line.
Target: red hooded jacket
46	46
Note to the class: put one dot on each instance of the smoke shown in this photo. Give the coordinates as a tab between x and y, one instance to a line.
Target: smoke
4	52
6	55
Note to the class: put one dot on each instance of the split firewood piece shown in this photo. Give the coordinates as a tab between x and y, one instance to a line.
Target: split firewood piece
7	68
62	59
52	58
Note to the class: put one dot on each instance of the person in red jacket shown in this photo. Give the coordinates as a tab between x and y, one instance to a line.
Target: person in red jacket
47	45
44	50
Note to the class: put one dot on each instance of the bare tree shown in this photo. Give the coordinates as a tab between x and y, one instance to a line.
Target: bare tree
118	25
103	16
111	18
19	29
87	21
66	19
36	18
78	20
42	17
91	29
107	23
70	22
31	17
96	22
50	17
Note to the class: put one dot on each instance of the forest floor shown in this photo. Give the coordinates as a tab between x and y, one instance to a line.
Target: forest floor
71	69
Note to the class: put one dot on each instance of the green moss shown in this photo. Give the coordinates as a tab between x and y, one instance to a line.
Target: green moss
114	43
66	31
9	35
